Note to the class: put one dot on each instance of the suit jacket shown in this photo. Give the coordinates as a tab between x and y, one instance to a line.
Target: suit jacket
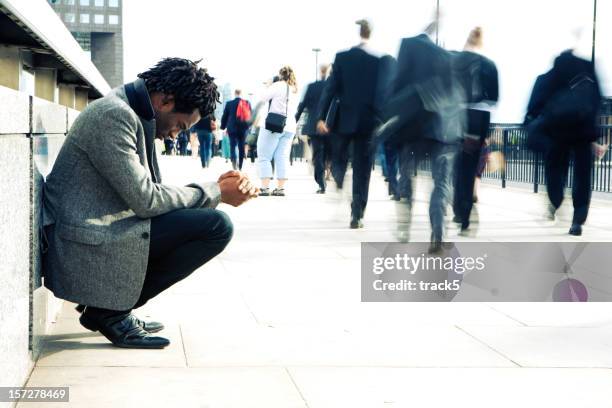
310	104
566	67
229	120
425	91
478	78
477	75
99	197
355	82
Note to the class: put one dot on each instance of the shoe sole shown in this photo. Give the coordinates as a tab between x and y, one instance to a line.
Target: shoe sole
89	326
140	347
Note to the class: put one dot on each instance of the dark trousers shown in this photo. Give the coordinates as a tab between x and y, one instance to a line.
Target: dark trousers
466	168
205	138
181	242
321	152
362	167
391	163
181	145
557	163
442	158
237	141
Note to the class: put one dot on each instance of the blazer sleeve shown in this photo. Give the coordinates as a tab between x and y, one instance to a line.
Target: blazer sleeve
330	90
111	149
303	103
402	68
542	89
386	76
490	82
225	115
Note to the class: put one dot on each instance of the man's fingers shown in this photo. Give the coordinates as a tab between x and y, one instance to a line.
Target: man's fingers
229	174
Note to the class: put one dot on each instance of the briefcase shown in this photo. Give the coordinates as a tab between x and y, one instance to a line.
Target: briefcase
331	119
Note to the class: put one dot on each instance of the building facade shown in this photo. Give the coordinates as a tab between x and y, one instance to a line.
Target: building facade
98	27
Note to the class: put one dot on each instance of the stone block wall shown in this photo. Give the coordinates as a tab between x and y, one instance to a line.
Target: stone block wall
32	131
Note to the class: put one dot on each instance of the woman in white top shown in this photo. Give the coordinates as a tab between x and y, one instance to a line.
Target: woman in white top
282	98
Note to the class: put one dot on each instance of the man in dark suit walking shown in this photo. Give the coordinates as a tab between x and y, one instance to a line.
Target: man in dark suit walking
236	129
321	146
428	120
567	100
355	83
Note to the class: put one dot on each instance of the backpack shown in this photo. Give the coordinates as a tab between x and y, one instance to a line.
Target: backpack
575	104
243	111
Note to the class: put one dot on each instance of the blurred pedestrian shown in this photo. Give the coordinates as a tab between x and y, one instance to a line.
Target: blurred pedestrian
236	120
424	116
204	132
354	94
562	115
478	77
321	145
275	137
182	142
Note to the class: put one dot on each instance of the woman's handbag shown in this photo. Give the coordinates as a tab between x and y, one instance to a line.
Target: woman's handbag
251	138
275	122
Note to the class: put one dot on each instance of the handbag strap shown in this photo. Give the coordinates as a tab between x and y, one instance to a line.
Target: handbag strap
287	104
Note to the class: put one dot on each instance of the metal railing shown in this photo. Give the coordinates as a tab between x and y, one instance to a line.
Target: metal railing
521	165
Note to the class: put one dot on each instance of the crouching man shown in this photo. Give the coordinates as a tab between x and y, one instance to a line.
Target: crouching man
114	235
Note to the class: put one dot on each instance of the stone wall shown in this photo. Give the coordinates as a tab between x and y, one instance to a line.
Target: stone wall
32	131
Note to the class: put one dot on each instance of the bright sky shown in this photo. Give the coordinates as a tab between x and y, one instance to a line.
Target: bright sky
247	42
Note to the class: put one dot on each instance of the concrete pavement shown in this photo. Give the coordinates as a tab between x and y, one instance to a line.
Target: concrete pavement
276	320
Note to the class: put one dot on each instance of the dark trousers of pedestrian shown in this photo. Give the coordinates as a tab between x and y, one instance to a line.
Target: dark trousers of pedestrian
205	138
181	146
442	158
362	167
180	242
466	168
237	142
321	152
468	160
557	165
392	153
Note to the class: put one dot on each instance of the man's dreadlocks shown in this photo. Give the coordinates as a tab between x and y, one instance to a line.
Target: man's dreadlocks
190	85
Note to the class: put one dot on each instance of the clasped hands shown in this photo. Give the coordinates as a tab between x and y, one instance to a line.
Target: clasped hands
236	188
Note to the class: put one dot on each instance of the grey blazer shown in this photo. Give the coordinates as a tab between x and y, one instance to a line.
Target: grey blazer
98	200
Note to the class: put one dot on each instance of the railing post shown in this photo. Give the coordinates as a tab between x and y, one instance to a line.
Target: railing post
504	153
536	172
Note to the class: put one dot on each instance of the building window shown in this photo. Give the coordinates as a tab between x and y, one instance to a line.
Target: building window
69	2
99	19
113	3
84	3
99	3
113	19
69	17
84	18
84	40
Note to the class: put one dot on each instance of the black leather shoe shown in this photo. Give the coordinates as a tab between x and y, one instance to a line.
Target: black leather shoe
151	327
321	191
576	230
123	331
356	223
